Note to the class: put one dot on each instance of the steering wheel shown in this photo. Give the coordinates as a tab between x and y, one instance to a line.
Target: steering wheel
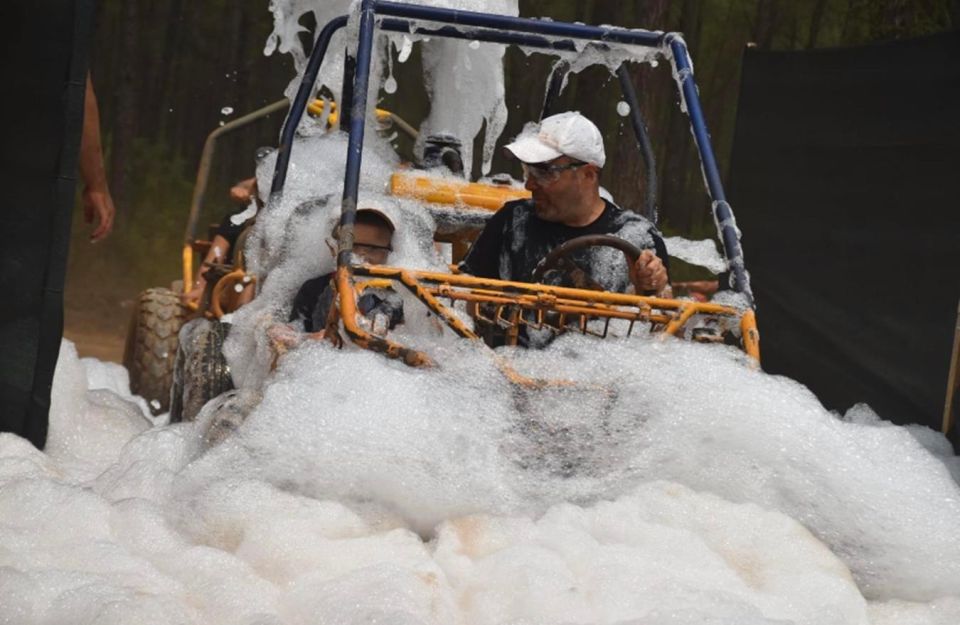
558	255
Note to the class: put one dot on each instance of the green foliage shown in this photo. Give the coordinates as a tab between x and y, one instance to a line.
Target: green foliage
144	249
153	235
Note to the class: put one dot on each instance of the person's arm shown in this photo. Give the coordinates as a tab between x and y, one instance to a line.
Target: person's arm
244	191
218	251
97	202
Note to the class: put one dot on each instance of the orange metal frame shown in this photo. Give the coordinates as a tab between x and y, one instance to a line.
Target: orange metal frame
566	304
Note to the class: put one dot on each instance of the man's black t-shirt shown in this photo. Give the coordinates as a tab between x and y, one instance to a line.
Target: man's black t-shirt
515	240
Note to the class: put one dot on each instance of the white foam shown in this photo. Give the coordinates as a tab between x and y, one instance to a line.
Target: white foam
702	253
87	428
362	489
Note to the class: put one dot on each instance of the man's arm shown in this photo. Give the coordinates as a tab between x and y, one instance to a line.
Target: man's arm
97	202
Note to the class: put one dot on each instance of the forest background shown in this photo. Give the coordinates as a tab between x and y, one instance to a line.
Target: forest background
167	72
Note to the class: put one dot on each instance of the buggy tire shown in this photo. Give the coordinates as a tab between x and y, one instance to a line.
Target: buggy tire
151	346
201	370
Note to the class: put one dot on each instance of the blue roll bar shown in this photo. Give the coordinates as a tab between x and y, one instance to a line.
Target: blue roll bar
496	29
478	34
358	120
643	141
722	213
300	102
646	38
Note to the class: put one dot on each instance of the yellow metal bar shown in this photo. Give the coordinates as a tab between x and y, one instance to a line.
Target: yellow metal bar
236	276
559	305
428	286
187	267
348	314
751	336
454	192
951	406
373	284
315	108
677	322
582	295
206	160
439	309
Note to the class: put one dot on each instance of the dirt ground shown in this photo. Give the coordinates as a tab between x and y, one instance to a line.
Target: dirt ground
97	324
98	298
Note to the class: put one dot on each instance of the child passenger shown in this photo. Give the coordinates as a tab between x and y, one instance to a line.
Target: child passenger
312	306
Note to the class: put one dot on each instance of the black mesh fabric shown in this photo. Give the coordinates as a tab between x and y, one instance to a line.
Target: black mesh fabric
844	181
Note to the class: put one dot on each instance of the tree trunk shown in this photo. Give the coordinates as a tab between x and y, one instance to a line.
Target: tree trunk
125	118
815	22
678	209
765	24
172	41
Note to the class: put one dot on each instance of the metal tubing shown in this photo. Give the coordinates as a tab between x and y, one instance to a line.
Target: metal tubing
507	286
479	34
647	38
643	140
358	119
206	160
722	213
554	88
348	314
346	91
951	407
299	106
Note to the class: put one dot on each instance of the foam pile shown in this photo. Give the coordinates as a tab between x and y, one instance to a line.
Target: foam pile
363	490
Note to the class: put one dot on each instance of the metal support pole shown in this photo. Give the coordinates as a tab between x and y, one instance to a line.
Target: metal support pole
346	92
520	24
722	213
300	102
358	119
206	160
643	140
554	87
951	407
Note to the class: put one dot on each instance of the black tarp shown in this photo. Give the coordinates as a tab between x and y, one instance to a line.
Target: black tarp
45	65
845	172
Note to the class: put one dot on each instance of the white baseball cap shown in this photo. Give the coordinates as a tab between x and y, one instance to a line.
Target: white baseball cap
565	134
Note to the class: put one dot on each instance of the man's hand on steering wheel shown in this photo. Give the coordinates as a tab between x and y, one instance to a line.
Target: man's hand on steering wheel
648	273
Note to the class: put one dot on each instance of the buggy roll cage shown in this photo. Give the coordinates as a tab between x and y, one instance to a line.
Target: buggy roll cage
411	19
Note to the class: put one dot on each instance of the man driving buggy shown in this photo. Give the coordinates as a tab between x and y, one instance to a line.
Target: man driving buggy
561	160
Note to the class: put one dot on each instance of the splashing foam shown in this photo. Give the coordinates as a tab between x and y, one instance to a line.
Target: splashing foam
697	491
465	82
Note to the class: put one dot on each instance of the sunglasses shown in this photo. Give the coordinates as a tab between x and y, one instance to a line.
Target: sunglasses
545	173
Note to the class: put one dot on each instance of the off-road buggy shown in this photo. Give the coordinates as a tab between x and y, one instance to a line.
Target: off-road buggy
152	347
508	306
